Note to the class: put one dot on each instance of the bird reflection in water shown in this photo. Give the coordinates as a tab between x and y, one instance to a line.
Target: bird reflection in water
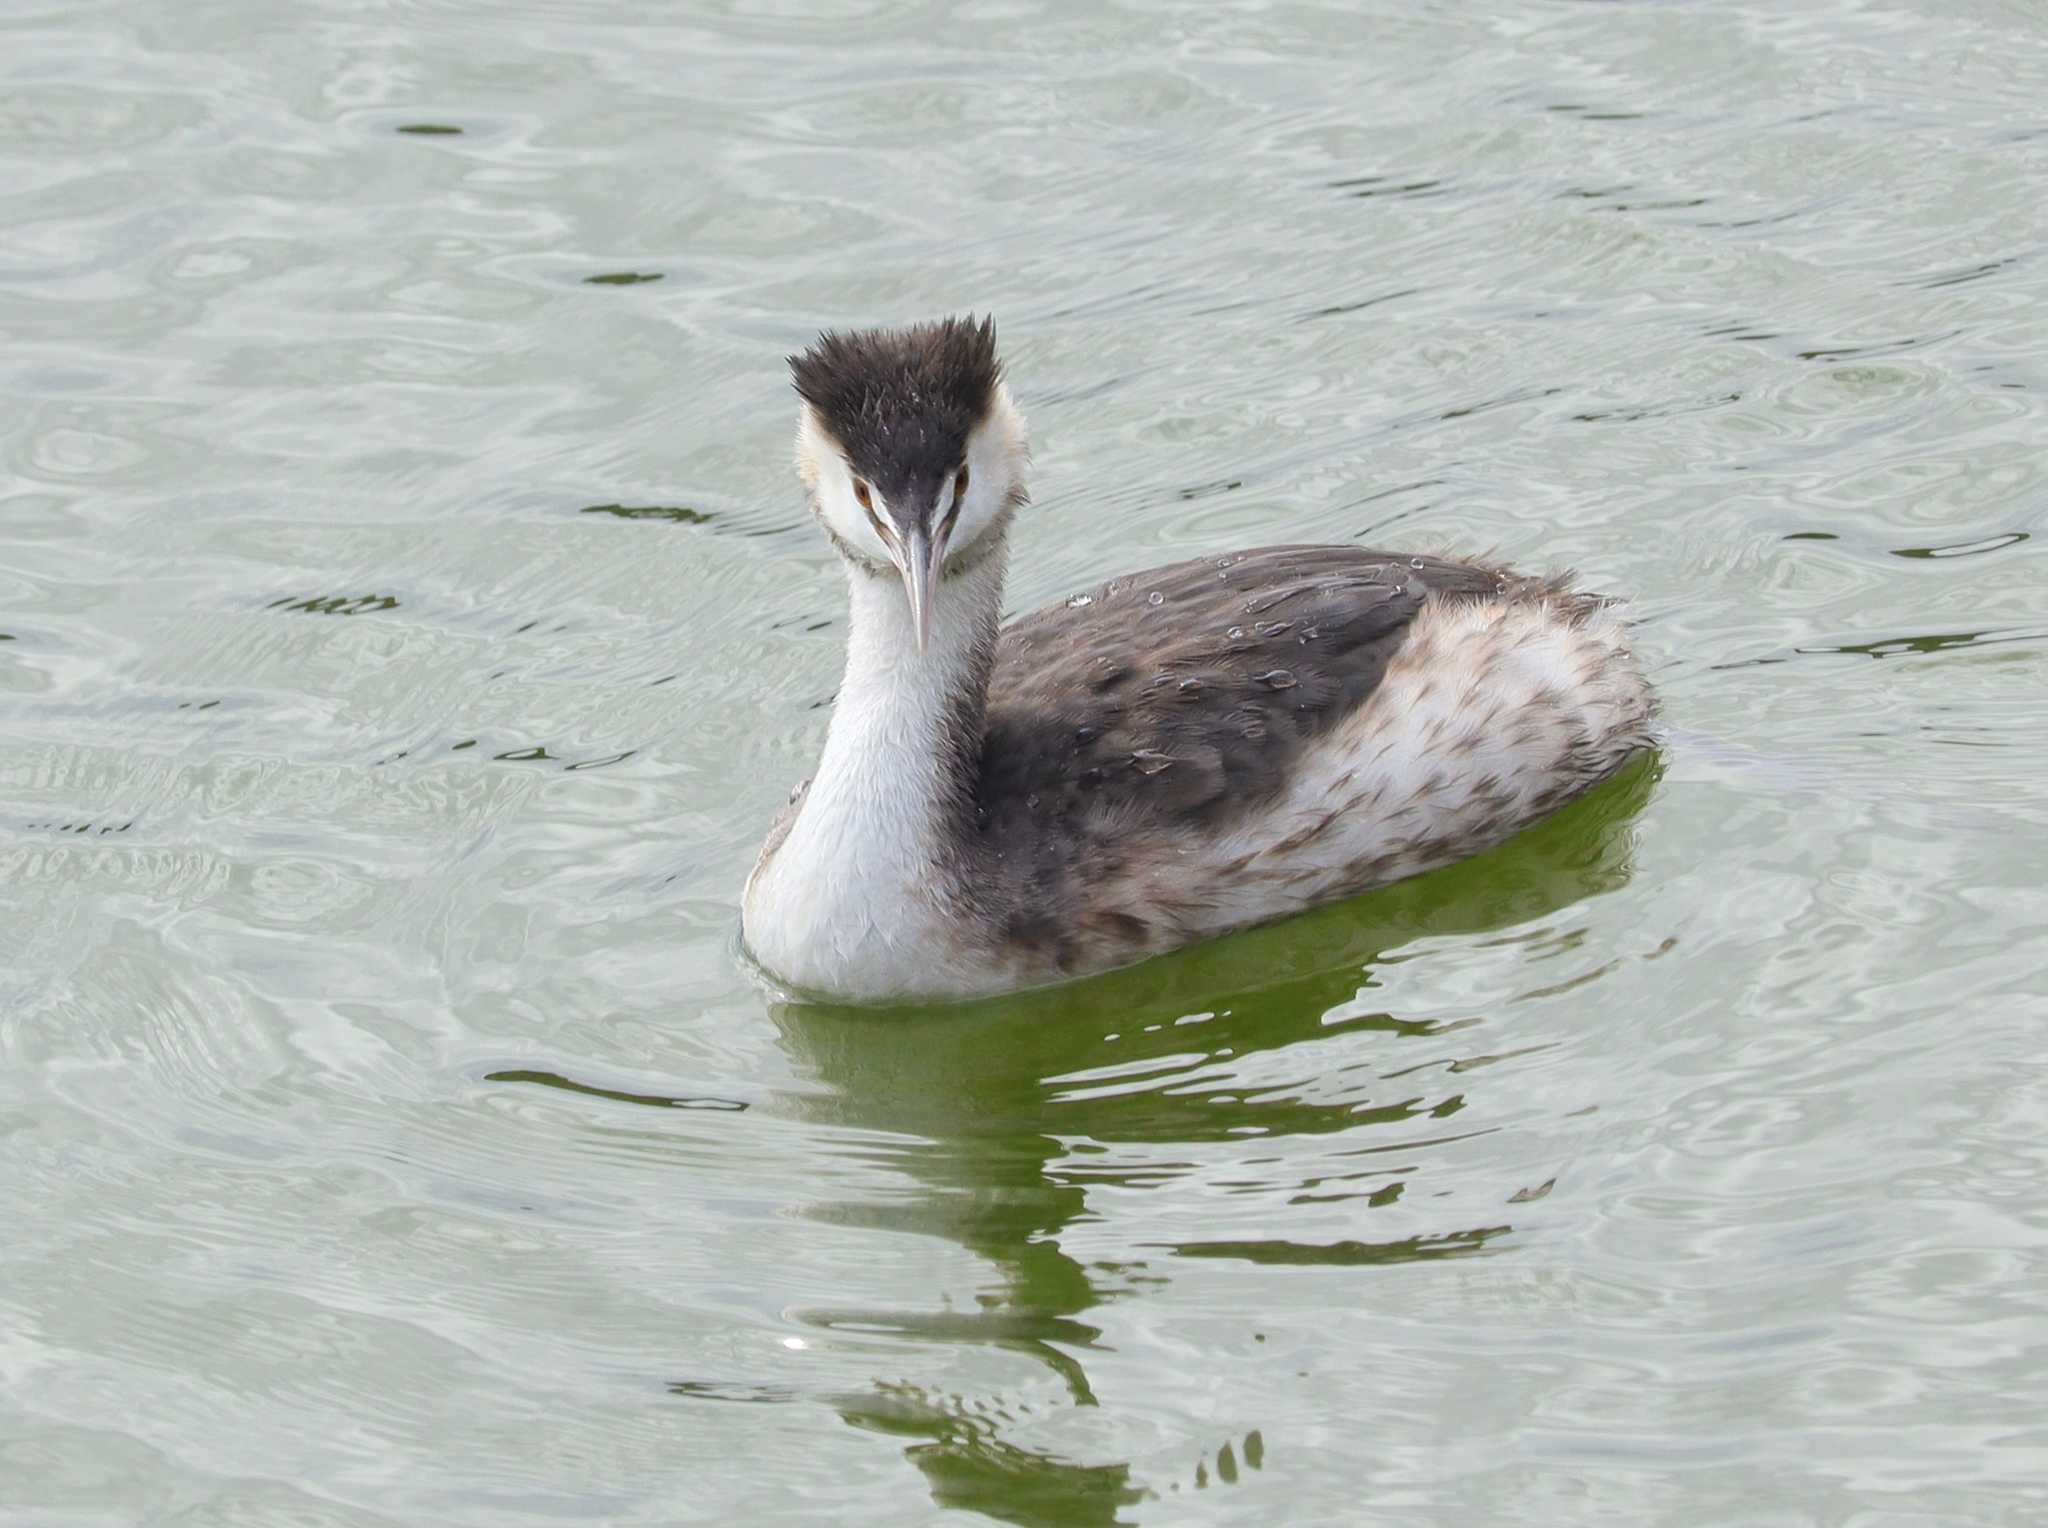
990	1098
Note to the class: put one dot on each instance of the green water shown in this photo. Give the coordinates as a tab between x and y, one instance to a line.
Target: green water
409	623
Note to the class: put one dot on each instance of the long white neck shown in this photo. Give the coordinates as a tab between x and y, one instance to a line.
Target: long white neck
860	897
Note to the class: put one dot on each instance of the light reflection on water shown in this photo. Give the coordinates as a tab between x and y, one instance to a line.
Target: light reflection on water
408	625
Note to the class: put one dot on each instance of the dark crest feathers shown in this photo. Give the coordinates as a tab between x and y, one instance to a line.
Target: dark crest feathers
902	402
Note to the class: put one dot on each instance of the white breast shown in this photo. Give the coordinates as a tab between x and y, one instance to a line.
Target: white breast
852	902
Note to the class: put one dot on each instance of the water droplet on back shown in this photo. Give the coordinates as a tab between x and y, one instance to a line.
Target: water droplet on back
1079	600
1272	628
1234	633
1155	598
1276	679
1415	562
1190	687
1149	761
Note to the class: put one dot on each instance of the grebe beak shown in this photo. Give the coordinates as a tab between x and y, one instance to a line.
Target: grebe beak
922	553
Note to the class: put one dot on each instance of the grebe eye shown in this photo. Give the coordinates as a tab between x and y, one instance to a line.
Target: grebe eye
860	492
960	486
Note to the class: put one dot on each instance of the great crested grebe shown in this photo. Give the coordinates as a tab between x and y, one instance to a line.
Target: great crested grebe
1180	752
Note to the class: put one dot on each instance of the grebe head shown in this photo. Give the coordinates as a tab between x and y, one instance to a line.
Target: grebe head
911	450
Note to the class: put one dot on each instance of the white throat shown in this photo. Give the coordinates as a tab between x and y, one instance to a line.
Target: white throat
861	898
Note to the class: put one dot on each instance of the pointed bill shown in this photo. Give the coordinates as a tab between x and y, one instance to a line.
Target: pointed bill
921	556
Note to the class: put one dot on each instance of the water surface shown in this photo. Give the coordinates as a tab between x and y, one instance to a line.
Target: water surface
408	625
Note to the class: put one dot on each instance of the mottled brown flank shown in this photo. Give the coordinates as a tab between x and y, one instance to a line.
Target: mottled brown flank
901	403
1071	859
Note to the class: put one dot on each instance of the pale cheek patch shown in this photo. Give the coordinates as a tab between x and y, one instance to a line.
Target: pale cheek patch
996	459
829	486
